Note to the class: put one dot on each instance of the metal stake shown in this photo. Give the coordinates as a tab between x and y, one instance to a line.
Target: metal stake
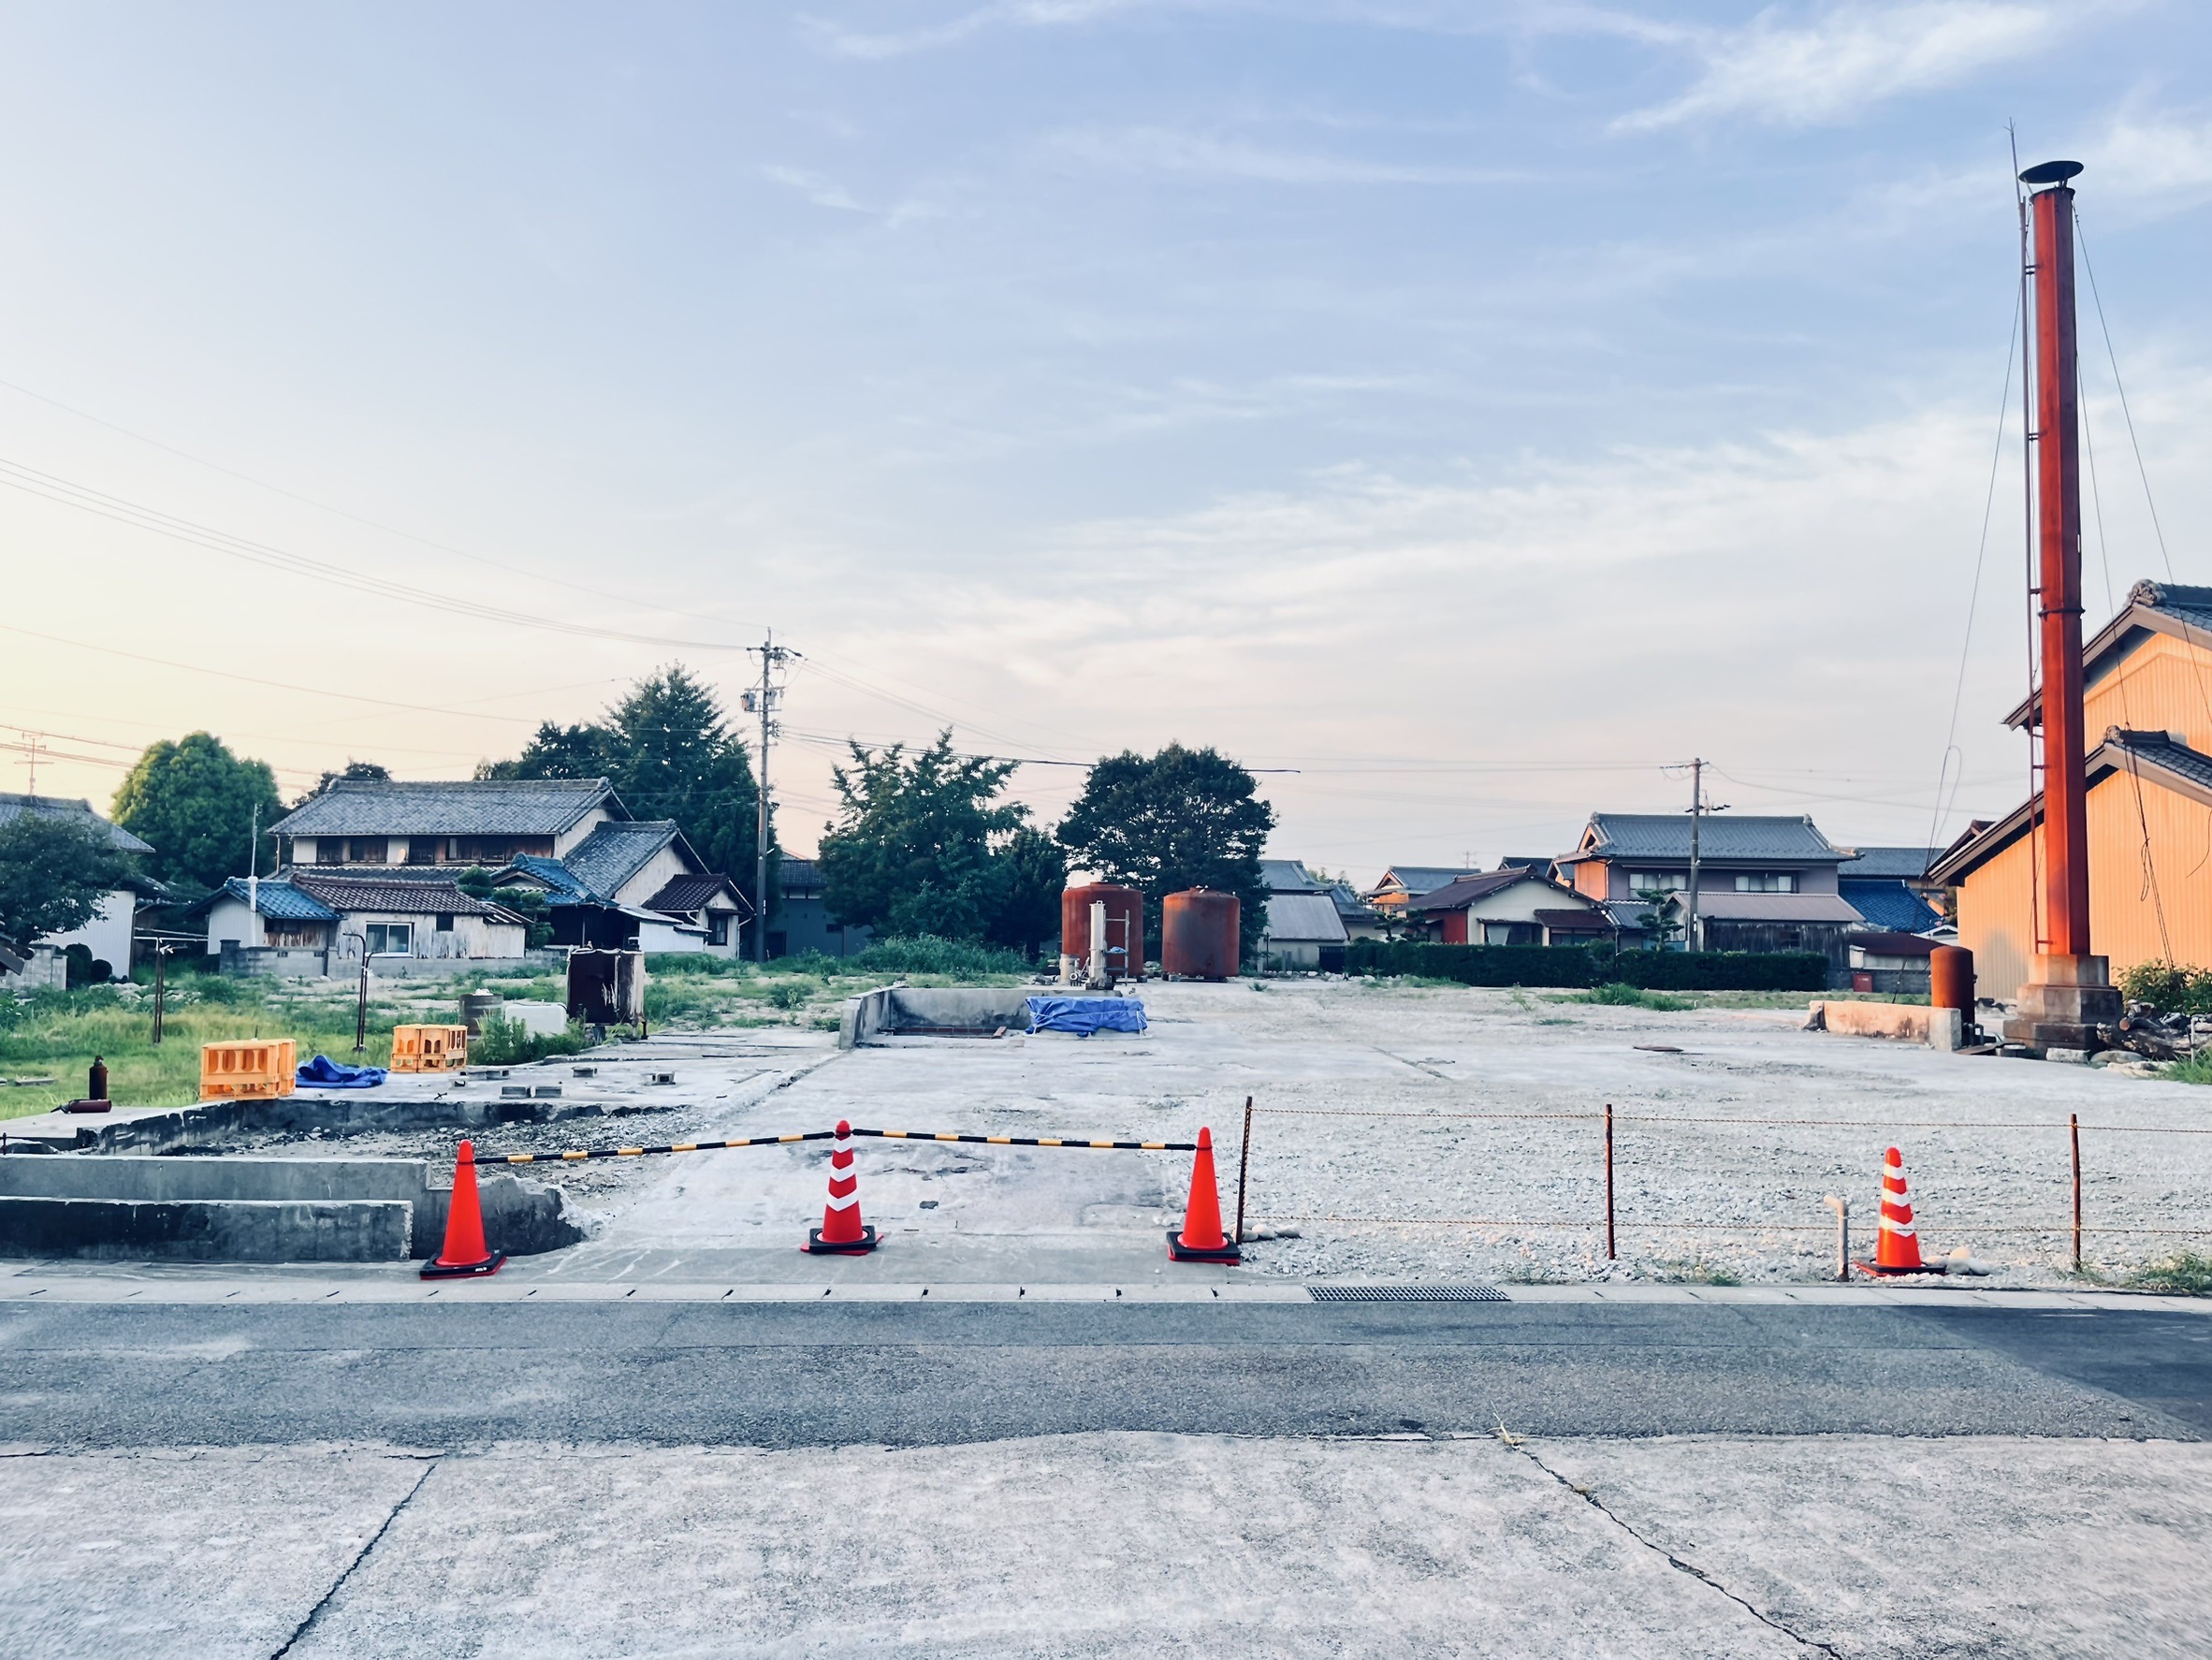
1611	1254
2073	1131
1244	1164
161	957
1842	1209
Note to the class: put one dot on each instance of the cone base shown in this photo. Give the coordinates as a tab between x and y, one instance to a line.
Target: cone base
1885	1270
437	1270
1225	1252
818	1246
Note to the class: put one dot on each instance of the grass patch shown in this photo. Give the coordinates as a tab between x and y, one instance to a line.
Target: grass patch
2186	1274
2197	1069
510	1044
56	1034
1620	996
1695	1274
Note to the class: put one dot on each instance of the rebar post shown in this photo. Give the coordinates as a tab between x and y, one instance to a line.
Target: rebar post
1611	1254
2073	1131
1244	1165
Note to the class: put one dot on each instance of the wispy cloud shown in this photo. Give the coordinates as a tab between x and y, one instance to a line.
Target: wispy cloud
1849	57
844	42
822	193
2160	157
1206	156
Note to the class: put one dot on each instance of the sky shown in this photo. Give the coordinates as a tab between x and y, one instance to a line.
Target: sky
1466	413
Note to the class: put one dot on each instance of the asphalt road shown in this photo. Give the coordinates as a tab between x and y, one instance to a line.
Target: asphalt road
785	1375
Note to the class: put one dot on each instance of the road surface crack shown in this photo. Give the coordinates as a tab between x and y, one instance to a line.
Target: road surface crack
360	1557
1589	1496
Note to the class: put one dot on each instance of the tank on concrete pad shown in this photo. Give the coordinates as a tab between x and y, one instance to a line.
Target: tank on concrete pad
1197	934
1124	931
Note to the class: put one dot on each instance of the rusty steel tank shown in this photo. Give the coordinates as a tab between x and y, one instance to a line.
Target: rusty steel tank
1197	934
1124	931
1951	984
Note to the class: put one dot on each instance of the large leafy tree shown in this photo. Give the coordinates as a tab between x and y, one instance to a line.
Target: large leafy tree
668	749
367	771
1180	819
921	844
54	871
195	802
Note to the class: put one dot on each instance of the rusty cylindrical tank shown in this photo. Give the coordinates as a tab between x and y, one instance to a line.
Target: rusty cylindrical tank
1951	981
1124	931
1197	934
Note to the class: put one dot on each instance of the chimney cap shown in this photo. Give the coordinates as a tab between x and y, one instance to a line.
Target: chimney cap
2050	172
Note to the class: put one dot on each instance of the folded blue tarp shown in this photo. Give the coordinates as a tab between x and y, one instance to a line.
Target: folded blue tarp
324	1074
1085	1015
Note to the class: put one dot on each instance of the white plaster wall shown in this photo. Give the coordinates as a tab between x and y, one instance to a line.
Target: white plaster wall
669	937
108	934
229	919
565	843
1520	902
659	870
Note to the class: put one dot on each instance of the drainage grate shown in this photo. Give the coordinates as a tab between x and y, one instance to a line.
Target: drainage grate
1406	1294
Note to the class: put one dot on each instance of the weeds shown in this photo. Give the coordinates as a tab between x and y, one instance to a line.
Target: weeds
510	1044
2186	1274
1619	994
2196	1068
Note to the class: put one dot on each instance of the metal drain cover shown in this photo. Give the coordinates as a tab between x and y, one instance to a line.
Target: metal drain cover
1406	1294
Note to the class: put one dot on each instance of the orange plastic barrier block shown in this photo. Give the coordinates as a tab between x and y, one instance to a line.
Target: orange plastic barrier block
429	1048
254	1068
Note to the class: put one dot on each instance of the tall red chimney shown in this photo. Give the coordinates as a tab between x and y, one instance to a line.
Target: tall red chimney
2069	992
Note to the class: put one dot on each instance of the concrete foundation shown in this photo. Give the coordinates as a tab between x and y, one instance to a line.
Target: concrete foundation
260	1210
1909	1023
894	1010
2065	1002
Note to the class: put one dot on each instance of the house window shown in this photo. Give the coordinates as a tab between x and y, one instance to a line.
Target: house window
364	849
1511	934
391	938
422	849
1767	882
329	851
1658	881
717	927
445	921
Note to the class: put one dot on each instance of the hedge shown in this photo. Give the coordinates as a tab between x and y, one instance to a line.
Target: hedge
1592	965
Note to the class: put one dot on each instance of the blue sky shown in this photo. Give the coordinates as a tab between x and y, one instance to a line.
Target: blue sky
1479	408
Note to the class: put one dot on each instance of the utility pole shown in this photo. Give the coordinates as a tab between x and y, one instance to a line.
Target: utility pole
761	700
254	868
1697	814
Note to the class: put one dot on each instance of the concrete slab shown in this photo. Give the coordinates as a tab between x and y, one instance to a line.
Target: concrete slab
1118	1544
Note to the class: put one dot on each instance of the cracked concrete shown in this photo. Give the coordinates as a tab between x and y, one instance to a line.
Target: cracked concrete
1118	1544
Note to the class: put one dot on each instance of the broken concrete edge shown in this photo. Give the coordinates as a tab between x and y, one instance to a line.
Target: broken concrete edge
1913	1023
919	1009
124	1196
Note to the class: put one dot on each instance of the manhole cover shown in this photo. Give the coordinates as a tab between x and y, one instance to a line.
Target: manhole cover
1406	1294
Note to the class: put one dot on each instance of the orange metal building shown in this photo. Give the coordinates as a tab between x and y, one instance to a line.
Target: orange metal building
2148	691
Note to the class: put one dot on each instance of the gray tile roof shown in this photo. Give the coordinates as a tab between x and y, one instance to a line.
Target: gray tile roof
1469	889
613	853
2158	749
1287	876
684	895
13	807
1905	863
474	806
1723	836
1419	878
354	894
2192	605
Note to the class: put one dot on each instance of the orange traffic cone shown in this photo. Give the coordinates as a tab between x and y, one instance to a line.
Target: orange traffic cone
1202	1239
465	1254
1897	1246
841	1233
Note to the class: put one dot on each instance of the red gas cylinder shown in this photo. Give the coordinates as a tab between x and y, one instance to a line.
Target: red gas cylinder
1197	934
1125	930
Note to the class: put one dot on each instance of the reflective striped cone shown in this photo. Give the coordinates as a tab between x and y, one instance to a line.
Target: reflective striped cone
465	1254
1897	1246
842	1234
1201	1238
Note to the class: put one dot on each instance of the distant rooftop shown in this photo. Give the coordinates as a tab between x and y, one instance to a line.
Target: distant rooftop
470	806
14	806
1722	837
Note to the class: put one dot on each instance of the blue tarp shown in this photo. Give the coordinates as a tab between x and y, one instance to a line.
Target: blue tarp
1085	1015
324	1074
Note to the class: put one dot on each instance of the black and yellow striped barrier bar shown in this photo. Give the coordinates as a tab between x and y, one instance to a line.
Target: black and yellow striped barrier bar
578	1153
1027	1141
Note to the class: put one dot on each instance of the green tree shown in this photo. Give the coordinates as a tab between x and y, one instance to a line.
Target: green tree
1180	819
669	753
54	871
195	802
922	845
